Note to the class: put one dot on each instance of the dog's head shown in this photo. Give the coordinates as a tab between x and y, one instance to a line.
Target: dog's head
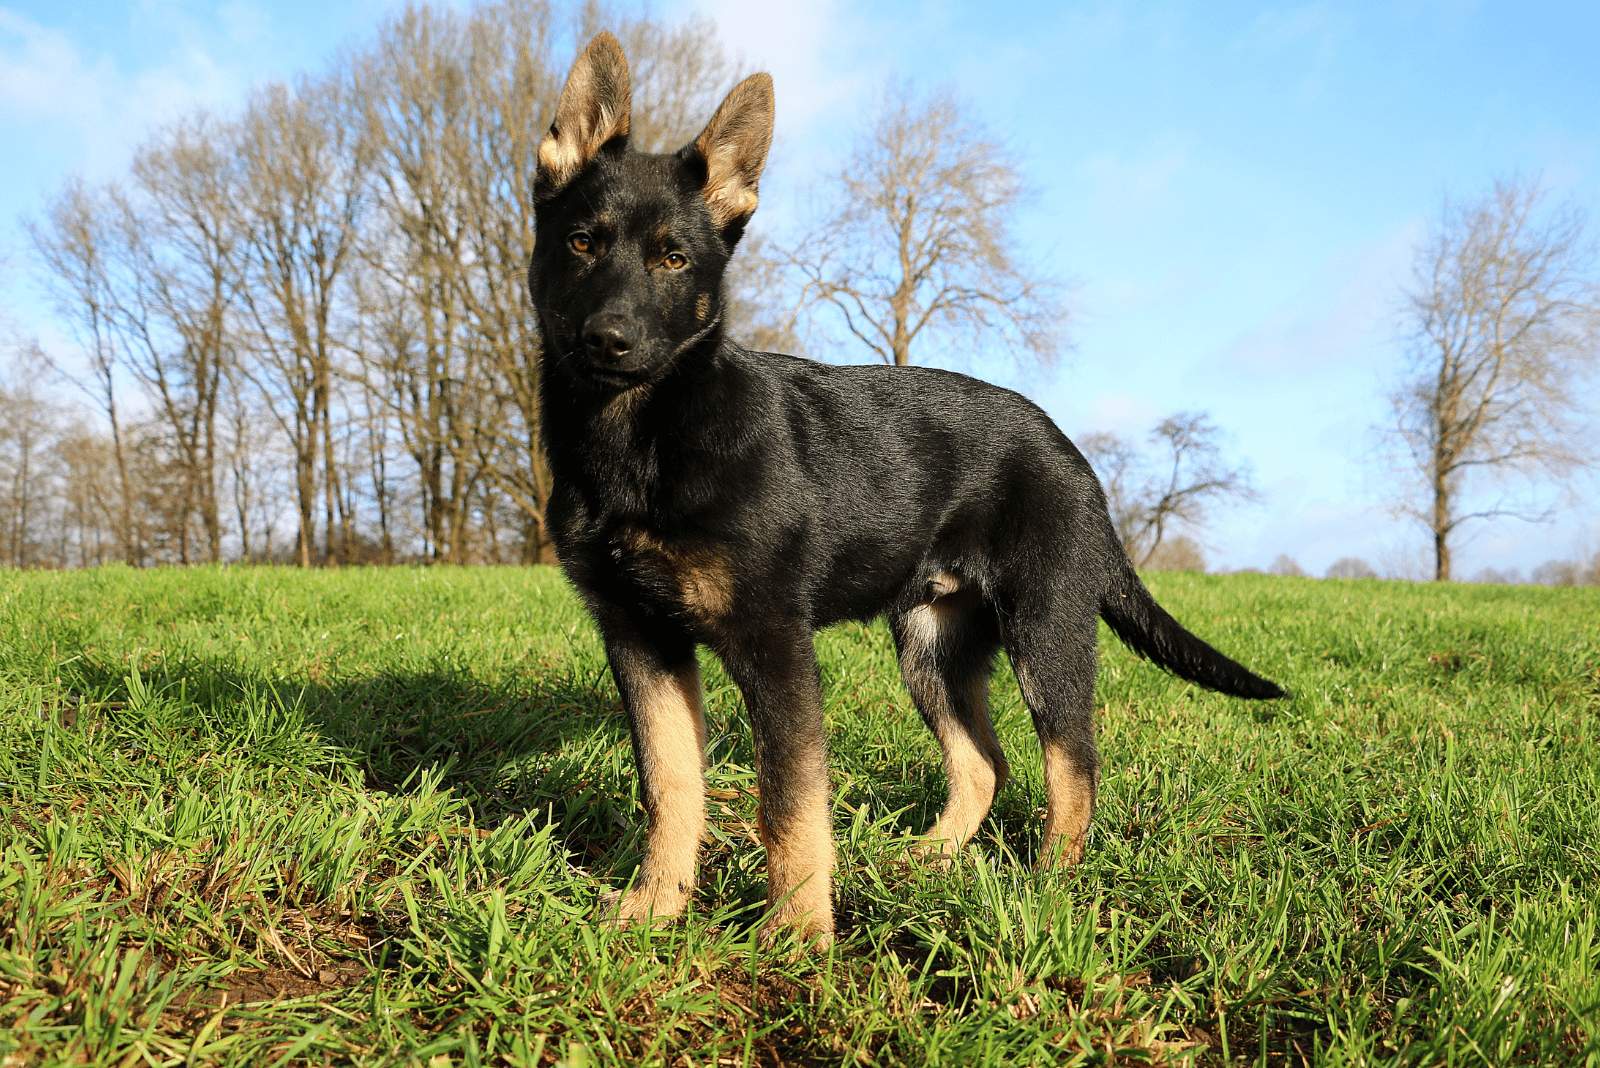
630	248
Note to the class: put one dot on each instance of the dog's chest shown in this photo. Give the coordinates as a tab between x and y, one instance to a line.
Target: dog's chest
695	574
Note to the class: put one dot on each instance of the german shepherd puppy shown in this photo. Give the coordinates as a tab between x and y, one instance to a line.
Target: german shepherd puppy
702	494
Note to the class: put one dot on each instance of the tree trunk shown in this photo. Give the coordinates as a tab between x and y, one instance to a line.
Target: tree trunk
1441	527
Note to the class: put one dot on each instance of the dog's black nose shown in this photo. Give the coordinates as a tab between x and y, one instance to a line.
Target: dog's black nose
609	338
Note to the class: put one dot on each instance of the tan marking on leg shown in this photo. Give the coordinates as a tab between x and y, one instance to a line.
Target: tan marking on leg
974	765
672	746
1070	791
976	768
990	743
800	866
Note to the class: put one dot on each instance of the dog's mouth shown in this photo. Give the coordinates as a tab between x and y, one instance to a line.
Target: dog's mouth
616	378
610	374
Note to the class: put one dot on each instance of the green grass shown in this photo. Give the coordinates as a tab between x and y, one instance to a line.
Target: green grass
268	817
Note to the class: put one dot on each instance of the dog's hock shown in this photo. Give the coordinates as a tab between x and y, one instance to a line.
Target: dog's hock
595	106
734	147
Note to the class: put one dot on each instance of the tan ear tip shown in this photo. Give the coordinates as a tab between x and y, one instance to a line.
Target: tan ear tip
605	47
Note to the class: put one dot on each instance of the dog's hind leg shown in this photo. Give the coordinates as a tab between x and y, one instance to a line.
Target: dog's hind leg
1051	643
662	696
777	673
947	649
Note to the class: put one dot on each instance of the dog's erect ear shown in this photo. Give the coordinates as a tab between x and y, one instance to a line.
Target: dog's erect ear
734	148
594	108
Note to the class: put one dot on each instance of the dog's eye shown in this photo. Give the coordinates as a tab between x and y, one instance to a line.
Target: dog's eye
676	261
581	242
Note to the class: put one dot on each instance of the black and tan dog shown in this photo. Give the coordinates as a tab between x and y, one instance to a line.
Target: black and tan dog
706	495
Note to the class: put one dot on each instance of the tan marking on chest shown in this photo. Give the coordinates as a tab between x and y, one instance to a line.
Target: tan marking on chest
702	574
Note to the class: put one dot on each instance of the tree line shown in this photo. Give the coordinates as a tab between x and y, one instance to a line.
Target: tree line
321	301
303	336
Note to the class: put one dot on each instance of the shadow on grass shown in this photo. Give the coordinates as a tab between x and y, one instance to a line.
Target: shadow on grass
551	743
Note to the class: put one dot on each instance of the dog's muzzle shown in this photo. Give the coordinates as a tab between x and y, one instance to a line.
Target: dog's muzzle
609	339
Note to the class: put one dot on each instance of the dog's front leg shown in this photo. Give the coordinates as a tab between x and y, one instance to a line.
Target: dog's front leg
669	744
777	673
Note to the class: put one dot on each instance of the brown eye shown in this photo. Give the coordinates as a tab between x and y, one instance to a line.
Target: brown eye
676	261
580	242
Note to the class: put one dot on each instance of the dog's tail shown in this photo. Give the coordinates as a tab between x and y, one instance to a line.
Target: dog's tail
1147	629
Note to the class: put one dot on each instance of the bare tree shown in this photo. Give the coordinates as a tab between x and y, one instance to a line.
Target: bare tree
1558	573
1286	566
253	457
179	234
1147	496
302	172
324	299
1503	316
1491	576
758	314
28	427
1177	553
444	102
74	244
914	247
452	105
90	506
1351	567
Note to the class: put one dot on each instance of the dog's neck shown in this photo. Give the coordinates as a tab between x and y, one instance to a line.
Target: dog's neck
615	445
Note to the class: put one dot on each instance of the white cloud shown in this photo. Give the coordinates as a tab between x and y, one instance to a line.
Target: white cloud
72	109
1343	313
244	22
1129	187
796	44
43	76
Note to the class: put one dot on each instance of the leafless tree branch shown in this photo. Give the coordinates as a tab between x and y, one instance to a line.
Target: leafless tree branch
1504	316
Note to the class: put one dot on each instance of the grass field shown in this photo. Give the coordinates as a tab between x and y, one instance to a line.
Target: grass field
268	817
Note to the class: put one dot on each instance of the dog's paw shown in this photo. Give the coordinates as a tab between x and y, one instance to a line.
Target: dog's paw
794	937
935	853
610	909
804	916
1062	851
624	909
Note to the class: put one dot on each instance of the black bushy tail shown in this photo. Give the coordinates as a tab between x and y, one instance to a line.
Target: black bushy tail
1147	629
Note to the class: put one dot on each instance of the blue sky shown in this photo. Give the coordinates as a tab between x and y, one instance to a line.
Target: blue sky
1235	188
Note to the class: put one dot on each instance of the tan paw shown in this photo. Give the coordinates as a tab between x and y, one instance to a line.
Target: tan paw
1061	852
807	913
937	853
809	937
638	906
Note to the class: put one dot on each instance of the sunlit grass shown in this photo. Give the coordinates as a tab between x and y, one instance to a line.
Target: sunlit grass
270	817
